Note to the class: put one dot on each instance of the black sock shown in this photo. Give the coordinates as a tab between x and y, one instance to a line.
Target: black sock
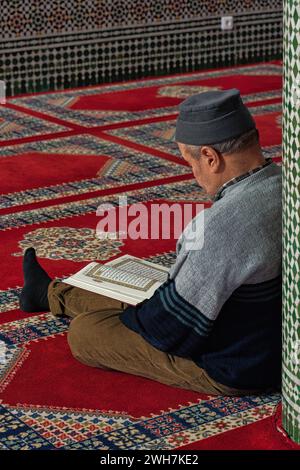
34	295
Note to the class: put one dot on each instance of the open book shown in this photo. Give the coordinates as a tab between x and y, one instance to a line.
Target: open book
127	278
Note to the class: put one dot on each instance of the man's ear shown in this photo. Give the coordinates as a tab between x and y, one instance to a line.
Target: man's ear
212	157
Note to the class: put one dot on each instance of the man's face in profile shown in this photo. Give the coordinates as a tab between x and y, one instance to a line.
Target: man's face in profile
203	167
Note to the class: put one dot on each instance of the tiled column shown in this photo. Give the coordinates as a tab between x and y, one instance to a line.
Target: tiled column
291	220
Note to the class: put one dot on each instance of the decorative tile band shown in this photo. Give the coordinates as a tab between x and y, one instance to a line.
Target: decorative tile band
291	220
53	45
33	18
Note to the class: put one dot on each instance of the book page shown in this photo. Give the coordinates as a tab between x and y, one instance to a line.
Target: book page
132	273
129	279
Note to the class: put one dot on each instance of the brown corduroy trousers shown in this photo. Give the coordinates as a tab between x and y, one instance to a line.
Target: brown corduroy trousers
98	338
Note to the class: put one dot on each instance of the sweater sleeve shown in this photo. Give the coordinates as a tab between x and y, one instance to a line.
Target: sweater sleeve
168	322
180	316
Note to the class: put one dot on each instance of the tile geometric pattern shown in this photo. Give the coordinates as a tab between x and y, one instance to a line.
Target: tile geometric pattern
35	17
50	44
291	221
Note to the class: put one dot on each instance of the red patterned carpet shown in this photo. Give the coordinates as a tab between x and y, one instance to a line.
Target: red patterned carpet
62	154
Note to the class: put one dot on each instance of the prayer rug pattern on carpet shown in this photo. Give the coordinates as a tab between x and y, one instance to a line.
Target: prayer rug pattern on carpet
62	154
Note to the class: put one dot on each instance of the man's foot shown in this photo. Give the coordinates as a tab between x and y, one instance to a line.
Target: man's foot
34	295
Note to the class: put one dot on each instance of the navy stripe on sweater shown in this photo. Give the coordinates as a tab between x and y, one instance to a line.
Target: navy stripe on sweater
169	322
261	292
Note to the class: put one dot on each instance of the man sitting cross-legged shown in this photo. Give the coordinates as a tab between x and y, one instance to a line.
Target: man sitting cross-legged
215	325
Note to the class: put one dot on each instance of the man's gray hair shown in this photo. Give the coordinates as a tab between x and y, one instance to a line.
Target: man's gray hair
231	146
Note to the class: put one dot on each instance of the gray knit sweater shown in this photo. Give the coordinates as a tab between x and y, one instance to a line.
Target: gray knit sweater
221	306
